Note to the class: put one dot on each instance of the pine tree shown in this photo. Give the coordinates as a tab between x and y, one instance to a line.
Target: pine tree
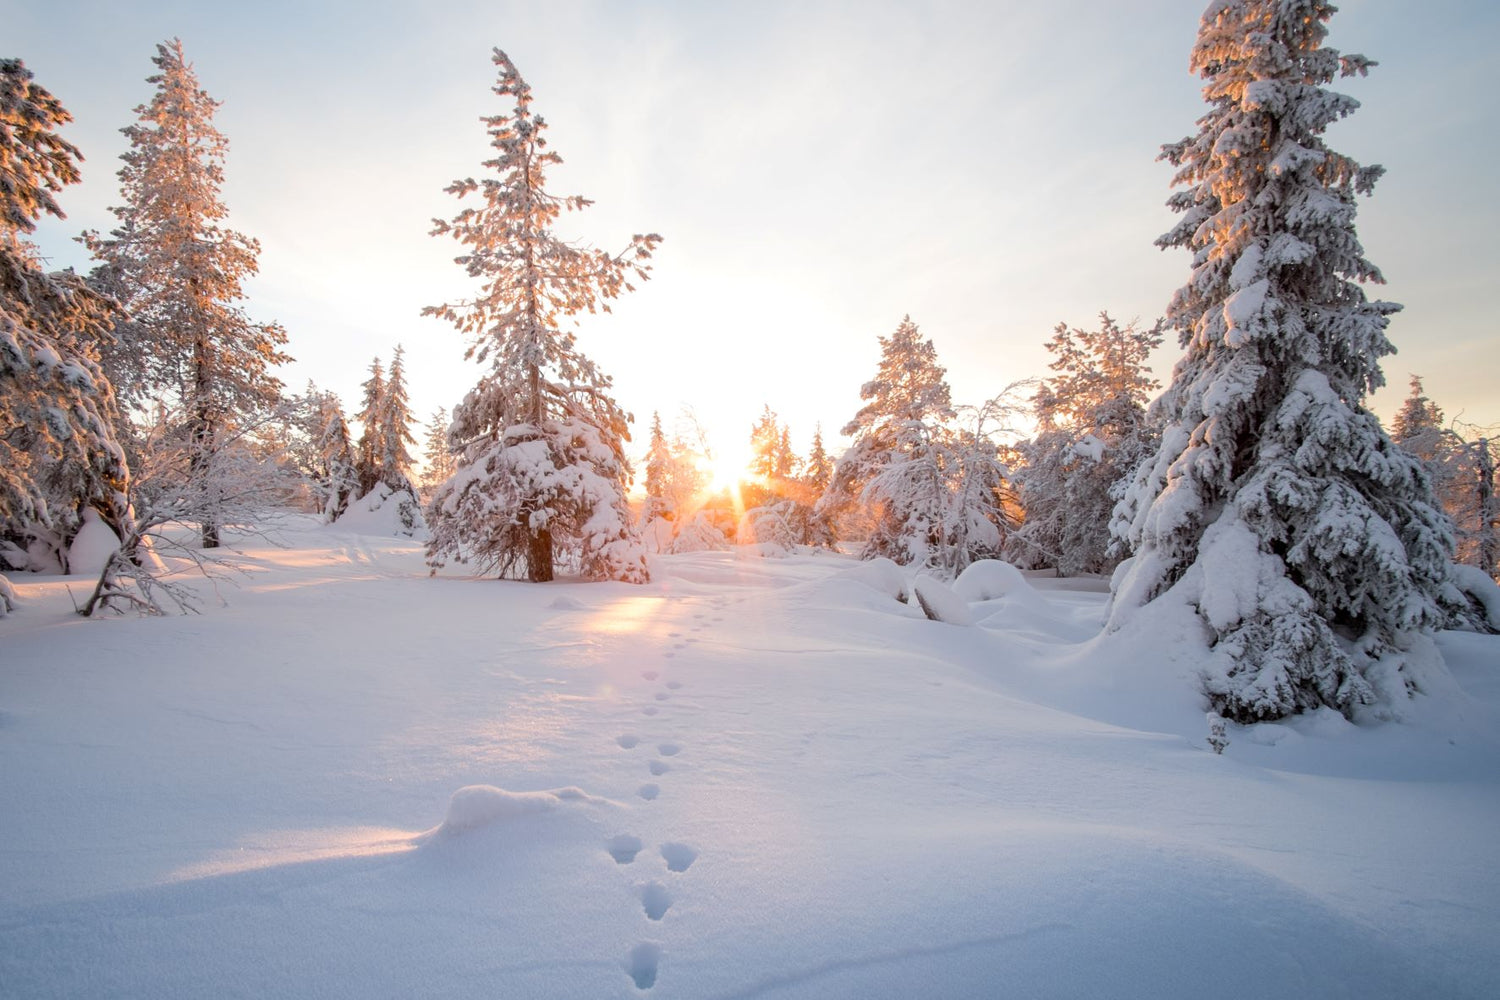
371	451
1092	432
338	479
437	457
658	460
893	467
394	419
542	466
818	471
57	411
1309	543
181	271
1418	427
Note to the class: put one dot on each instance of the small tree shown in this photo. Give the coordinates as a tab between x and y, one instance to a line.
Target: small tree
338	474
541	463
1309	543
1092	432
437	456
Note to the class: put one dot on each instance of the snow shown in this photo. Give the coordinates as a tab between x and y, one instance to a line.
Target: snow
355	780
93	546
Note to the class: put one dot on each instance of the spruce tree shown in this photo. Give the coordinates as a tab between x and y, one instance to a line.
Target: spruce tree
1092	432
180	271
437	456
658	461
371	449
1309	543
394	418
894	468
542	466
58	451
338	473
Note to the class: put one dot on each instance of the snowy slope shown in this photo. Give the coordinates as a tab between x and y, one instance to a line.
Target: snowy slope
758	778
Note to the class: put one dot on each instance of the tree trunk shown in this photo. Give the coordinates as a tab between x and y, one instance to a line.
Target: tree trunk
539	556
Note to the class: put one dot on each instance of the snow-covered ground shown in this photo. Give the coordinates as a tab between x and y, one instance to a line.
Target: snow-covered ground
750	778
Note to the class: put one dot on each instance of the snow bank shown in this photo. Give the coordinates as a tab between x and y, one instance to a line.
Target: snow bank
385	512
476	806
879	574
988	579
939	601
93	546
1475	584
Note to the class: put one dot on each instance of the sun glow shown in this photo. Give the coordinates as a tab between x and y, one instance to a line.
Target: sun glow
728	469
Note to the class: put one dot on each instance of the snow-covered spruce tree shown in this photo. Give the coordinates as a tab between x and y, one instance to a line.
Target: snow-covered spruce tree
1092	433
371	449
658	458
181	272
338	475
542	470
436	457
58	453
395	428
892	468
1309	543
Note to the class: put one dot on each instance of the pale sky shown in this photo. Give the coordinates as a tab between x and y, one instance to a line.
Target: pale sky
817	171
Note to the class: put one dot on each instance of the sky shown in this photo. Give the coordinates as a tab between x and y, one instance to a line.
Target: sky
817	171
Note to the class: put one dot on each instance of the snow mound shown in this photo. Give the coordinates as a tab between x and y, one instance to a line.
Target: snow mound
879	574
940	602
384	511
93	546
568	603
1475	584
989	579
476	806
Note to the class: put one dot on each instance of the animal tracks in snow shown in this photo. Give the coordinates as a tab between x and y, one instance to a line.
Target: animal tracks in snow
679	857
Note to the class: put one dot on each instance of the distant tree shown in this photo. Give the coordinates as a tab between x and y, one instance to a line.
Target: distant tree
541	465
1309	543
180	272
1091	433
438	457
371	449
818	472
893	465
58	452
658	459
338	473
395	419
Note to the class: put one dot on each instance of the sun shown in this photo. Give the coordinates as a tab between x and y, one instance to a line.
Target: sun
728	469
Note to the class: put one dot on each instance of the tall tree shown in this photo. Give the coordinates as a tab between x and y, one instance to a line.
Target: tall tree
1091	433
181	273
658	463
1308	541
542	465
57	447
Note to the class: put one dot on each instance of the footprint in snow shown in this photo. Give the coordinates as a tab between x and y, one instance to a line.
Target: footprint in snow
649	791
669	749
679	857
627	742
624	848
651	675
655	900
662	696
642	964
650	710
674	685
659	767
